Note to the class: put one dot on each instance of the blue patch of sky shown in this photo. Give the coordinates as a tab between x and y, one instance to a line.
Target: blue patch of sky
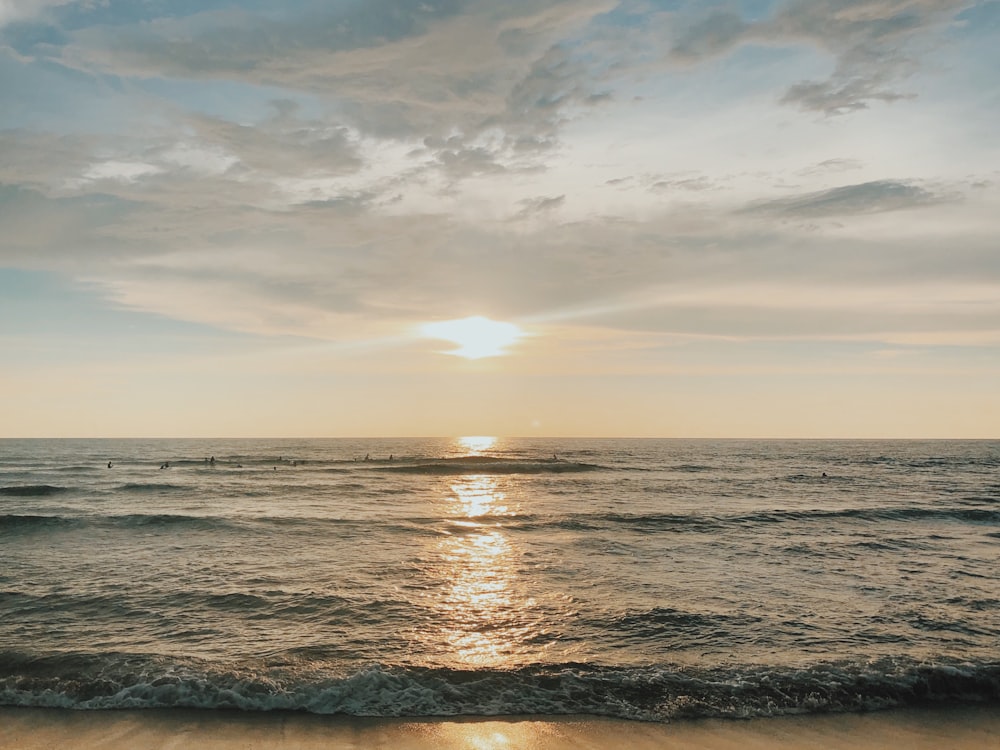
975	39
747	72
230	100
45	95
43	303
756	10
33	38
750	10
75	16
627	15
962	72
983	18
751	68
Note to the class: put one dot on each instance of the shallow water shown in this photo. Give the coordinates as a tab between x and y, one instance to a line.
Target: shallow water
635	578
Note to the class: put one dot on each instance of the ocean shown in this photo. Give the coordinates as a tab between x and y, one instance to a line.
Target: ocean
639	579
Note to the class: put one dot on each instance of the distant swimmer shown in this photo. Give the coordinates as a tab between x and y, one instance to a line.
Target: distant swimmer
212	460
824	475
109	464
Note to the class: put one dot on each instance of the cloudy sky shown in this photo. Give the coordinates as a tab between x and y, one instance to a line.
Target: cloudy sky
228	218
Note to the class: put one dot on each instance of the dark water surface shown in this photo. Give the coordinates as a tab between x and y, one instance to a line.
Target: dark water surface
644	579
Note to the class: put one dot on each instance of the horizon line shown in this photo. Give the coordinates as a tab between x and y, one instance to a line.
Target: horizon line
499	437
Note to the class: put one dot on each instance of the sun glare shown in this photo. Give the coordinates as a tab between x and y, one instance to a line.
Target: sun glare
476	337
476	443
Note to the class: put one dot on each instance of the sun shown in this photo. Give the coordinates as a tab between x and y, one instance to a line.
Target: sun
476	337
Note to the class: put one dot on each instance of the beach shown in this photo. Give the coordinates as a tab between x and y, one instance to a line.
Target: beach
42	729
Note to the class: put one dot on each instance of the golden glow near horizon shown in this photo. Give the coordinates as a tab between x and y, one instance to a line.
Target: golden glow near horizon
477	337
476	444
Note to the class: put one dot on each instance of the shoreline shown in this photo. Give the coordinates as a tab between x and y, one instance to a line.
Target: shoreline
960	728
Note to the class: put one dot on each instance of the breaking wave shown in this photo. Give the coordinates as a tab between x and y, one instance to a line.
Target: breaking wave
116	681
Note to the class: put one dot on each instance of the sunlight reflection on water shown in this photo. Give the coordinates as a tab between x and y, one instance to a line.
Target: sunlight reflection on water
478	562
476	444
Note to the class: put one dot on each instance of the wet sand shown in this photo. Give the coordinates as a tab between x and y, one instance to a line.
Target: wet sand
34	729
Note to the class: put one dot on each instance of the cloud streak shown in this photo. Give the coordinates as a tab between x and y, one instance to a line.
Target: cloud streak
865	198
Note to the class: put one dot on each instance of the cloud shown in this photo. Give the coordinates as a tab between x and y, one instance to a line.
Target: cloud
20	10
282	144
388	193
458	161
874	44
715	34
832	166
42	160
486	88
864	198
681	182
534	206
394	68
122	171
840	94
342	270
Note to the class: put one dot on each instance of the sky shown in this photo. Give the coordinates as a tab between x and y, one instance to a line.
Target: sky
654	219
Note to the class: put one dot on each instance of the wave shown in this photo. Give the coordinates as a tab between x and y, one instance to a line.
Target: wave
969	515
32	490
133	520
138	609
935	462
164	520
16	522
150	487
666	621
673	521
649	523
490	465
641	523
692	468
113	681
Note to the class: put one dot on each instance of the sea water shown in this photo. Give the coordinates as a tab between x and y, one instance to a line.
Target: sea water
646	579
